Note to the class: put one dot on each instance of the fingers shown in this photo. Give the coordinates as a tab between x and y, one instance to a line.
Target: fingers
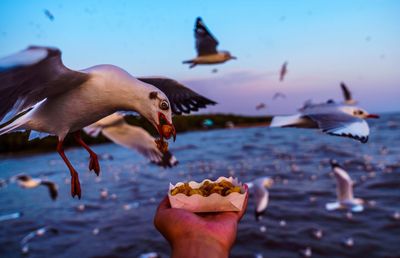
164	204
243	211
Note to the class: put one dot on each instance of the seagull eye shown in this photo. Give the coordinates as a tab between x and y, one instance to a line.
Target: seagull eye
164	105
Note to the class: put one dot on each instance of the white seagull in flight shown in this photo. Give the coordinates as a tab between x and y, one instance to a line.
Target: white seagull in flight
332	118
259	189
27	182
206	46
344	190
47	97
116	129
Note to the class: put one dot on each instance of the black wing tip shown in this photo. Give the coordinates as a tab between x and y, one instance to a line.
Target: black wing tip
335	164
362	139
168	160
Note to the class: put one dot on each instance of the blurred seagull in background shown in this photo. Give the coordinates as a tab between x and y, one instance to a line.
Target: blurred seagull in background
38	93
259	189
206	46
261	106
283	71
278	95
116	129
331	118
344	191
36	233
27	182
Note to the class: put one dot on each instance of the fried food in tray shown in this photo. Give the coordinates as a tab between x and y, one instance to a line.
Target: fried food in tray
223	188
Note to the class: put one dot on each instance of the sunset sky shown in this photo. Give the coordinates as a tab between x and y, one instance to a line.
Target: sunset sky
324	42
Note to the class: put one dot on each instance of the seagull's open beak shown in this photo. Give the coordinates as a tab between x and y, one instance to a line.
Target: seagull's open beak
372	116
165	128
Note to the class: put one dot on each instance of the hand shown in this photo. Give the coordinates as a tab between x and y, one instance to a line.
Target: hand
198	234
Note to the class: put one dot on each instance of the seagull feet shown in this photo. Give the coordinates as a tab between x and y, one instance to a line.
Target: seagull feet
75	185
94	164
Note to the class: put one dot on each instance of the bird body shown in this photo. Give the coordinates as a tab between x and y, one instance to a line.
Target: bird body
206	46
332	118
344	191
259	189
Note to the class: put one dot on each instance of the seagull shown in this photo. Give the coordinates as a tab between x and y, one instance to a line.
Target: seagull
259	188
278	95
332	118
283	71
38	93
206	46
116	129
261	106
344	190
348	100
27	182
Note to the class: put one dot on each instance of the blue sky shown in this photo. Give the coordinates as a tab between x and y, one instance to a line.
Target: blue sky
325	42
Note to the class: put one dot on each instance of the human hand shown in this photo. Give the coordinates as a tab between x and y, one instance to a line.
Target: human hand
198	234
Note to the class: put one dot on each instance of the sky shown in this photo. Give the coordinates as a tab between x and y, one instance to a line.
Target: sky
324	43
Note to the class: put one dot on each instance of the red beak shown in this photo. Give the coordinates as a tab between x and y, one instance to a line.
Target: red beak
162	120
373	116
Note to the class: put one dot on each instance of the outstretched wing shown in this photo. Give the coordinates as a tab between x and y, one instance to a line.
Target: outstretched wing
182	99
347	95
32	75
342	124
206	44
53	191
344	187
117	130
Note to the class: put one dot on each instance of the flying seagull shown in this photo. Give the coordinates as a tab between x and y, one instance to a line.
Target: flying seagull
206	46
115	128
344	190
38	93
259	188
278	95
27	182
331	118
261	106
36	233
348	100
283	71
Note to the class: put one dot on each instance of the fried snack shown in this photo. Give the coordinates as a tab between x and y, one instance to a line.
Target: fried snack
222	188
167	131
162	145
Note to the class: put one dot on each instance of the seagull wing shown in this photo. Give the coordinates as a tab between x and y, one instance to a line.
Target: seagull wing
261	195
32	75
342	124
182	99
344	184
206	44
347	95
117	130
53	190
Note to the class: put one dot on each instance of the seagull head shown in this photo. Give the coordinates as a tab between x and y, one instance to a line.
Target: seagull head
228	55
359	112
160	115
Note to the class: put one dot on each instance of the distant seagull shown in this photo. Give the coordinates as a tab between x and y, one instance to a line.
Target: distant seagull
115	128
283	71
48	97
331	118
259	189
36	233
344	190
26	181
348	100
48	14
279	95
206	46
261	106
